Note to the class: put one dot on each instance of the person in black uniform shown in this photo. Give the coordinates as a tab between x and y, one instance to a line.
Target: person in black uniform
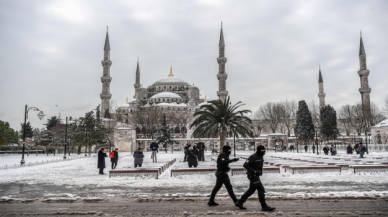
254	166
222	175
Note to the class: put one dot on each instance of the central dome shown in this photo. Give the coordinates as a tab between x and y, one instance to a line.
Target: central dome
170	81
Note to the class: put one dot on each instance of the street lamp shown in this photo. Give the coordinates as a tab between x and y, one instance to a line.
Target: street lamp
64	153
378	137
40	115
316	137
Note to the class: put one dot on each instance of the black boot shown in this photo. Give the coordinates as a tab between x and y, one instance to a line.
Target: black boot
212	203
239	205
267	208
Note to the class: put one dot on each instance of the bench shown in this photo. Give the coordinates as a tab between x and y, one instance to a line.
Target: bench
192	171
369	168
135	172
308	169
240	171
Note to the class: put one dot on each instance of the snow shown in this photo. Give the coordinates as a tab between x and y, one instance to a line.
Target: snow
166	95
382	124
170	80
83	173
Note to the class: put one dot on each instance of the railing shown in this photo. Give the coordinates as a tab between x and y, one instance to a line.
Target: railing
44	162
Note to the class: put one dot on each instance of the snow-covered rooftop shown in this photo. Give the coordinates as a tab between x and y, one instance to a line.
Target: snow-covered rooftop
170	81
166	95
383	123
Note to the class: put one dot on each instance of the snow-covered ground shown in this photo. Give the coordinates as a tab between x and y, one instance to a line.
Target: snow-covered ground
79	178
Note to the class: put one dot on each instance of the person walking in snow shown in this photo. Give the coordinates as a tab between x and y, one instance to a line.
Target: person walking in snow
101	161
313	148
349	149
292	148
187	146
223	162
154	149
357	147
305	148
114	158
362	150
333	150
138	157
192	156
201	147
254	166
326	150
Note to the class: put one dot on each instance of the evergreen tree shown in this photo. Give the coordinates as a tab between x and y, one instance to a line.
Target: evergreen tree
107	114
328	118
304	128
165	136
51	122
29	132
7	134
98	114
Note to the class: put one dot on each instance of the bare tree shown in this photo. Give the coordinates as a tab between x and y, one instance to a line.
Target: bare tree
288	115
314	110
386	106
377	114
146	119
345	118
271	113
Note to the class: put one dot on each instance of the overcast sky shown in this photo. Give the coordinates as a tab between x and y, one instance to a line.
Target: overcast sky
51	51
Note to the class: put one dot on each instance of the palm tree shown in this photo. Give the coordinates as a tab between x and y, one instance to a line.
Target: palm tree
221	119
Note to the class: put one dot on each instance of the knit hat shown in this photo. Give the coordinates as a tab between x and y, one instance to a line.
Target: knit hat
259	148
139	149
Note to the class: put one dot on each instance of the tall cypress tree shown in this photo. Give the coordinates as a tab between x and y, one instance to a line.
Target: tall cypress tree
304	128
165	136
328	118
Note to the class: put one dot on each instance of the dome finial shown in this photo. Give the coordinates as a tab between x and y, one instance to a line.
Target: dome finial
193	84
126	101
360	33
205	98
319	67
171	75
137	59
106	28
221	24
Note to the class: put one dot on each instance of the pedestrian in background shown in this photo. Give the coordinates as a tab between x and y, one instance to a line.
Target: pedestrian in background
187	146
305	148
357	147
114	157
292	148
101	161
349	149
326	150
333	150
313	148
201	147
154	150
362	150
138	157
192	156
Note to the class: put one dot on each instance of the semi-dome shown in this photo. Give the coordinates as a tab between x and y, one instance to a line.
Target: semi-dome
166	95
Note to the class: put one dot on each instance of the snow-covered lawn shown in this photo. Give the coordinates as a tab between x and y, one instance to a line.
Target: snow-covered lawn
13	159
83	174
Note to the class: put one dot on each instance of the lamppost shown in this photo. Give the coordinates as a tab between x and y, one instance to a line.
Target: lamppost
378	137
40	115
64	153
316	137
366	129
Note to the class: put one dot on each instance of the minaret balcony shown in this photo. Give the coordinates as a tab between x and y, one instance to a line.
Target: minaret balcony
222	76
106	79
222	93
106	63
105	95
365	90
363	73
222	60
321	94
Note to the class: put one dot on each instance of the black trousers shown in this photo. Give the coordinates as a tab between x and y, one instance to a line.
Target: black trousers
255	184
114	164
223	179
101	171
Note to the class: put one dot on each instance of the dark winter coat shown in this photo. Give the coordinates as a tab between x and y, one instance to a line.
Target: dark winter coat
223	162
349	150
326	150
154	145
362	149
101	159
306	147
201	146
254	163
116	156
192	156
356	147
333	149
187	146
138	157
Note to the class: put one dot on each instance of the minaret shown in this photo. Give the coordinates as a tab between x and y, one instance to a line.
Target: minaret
222	76
364	90
321	94
106	79
137	84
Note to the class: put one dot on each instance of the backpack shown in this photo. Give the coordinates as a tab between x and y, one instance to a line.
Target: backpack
112	154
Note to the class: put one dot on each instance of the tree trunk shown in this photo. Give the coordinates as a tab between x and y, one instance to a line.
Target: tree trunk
46	151
222	139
